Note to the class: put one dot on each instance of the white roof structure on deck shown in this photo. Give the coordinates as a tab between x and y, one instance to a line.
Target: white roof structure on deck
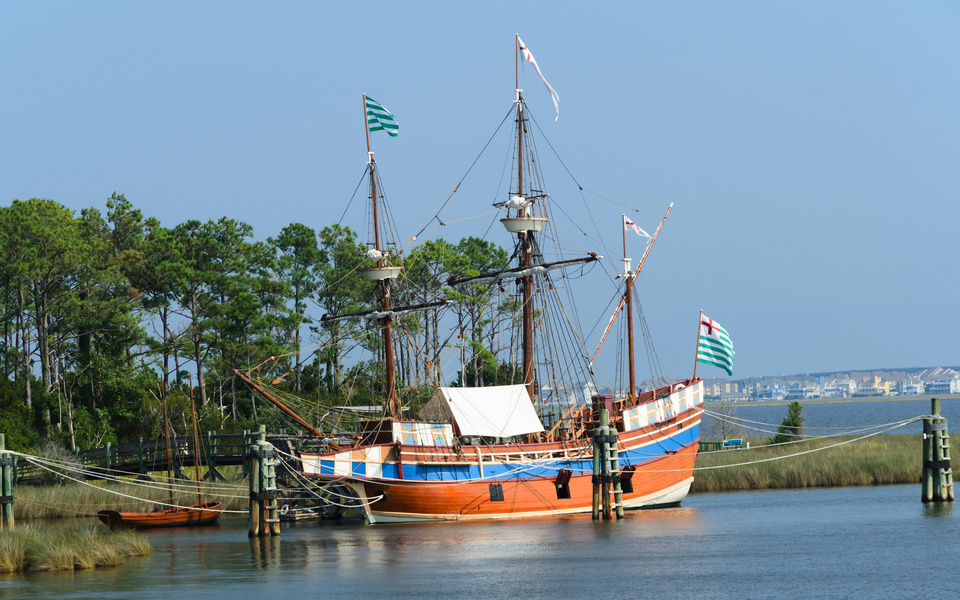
494	411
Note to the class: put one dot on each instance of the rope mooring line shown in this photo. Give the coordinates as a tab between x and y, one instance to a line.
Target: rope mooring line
28	458
180	485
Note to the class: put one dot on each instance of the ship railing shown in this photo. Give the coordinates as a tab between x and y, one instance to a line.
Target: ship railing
442	454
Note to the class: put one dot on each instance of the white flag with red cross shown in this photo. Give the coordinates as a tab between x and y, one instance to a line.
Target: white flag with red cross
528	56
714	346
628	225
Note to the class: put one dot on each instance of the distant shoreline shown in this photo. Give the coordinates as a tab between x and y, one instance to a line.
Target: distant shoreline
926	397
881	460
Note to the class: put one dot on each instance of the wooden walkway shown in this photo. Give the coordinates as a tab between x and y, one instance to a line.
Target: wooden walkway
146	456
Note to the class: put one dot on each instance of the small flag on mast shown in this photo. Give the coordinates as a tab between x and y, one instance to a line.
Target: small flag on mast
379	118
528	56
714	346
628	225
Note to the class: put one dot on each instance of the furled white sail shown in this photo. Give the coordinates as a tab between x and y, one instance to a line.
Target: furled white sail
494	411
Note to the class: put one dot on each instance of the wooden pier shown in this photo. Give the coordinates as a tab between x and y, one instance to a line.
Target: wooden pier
146	456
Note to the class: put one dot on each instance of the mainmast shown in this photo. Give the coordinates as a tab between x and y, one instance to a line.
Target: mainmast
383	273
525	225
526	241
526	260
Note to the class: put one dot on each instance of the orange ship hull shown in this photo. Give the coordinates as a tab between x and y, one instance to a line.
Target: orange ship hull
660	483
423	475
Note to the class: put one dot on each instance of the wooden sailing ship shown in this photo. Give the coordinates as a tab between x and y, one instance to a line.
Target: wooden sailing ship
483	452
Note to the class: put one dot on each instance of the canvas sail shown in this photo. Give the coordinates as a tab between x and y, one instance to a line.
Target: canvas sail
493	411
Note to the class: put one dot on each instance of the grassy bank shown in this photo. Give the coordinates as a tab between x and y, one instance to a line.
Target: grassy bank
78	500
29	548
882	459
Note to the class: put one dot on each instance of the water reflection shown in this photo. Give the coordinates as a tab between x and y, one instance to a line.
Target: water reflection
718	545
265	552
938	510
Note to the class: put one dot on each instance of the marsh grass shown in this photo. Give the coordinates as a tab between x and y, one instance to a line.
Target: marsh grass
883	459
79	500
31	548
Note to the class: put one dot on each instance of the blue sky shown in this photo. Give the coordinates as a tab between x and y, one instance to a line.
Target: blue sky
810	148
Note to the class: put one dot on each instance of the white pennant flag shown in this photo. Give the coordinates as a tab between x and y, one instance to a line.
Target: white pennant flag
527	55
628	225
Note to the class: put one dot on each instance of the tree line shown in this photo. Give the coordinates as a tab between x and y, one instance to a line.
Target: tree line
104	313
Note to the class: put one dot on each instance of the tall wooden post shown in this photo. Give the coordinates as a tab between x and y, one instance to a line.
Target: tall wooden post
614	458
606	480
253	451
597	472
926	483
264	514
937	484
6	486
268	492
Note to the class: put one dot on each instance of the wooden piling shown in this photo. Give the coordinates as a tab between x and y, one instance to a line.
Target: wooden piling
6	486
254	478
264	513
606	487
269	509
597	473
926	482
601	496
937	483
614	459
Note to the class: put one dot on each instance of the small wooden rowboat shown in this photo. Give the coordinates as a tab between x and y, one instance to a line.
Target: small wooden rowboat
198	514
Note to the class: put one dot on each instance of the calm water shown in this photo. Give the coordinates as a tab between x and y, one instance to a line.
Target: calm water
843	415
869	542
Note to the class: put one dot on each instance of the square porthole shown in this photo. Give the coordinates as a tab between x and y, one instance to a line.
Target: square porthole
626	479
563	484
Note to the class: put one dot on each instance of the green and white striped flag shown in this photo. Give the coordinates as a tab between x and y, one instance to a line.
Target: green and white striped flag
714	346
379	118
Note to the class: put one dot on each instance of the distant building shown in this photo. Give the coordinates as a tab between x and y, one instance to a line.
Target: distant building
871	387
802	391
839	388
943	386
912	386
940	381
735	397
719	387
776	389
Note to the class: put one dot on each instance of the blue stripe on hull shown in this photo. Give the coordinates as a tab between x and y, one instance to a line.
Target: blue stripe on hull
442	472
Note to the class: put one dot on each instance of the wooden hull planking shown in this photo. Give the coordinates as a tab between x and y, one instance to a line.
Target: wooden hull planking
199	514
660	483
